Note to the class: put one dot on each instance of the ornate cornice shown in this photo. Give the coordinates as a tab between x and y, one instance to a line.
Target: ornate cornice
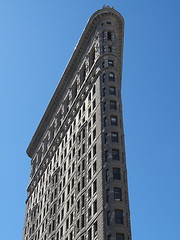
71	69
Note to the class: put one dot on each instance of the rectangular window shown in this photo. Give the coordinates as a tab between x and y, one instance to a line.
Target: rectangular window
116	174
94	118
114	121
95	207
104	92
94	150
120	236
94	103
95	186
107	195
112	90
117	194
114	137
90	234
113	105
105	138
118	216
110	63
94	133
115	154
95	228
104	106
105	121
106	155
108	217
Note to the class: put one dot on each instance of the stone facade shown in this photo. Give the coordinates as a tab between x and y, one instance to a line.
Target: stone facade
78	184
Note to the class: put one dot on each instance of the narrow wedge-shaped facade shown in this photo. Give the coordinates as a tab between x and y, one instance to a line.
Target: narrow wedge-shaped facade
78	184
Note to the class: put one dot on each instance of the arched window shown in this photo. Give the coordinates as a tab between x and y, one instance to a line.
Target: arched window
109	36
111	76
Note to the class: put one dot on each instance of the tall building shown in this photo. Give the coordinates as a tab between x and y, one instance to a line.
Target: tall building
78	184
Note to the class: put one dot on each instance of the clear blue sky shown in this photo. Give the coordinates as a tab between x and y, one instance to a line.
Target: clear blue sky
37	39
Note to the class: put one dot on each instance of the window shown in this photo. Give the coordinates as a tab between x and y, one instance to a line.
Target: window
82	201
109	36
89	97
112	90
94	167
89	193
92	57
118	216
94	150
109	237
114	120
104	106
105	138
114	137
107	195
106	155
107	175
111	76
84	107
110	63
113	105
105	121
82	221
117	194
95	228
120	236
95	186
109	49
89	213
95	207
94	103
94	118
108	217
115	154
94	89
89	174
90	234
94	133
116	174
104	92
103	77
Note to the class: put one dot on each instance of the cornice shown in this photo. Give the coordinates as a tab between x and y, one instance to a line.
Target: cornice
70	70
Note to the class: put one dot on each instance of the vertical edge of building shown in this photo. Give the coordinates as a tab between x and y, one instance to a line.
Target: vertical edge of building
78	184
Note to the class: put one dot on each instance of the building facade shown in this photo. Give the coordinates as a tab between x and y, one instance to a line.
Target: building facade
78	184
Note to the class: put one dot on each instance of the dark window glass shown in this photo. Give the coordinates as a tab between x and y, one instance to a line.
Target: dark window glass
116	174
95	186
117	194
118	216
113	105
94	150
111	77
105	138
104	106
114	120
103	77
110	63
109	49
108	217
109	36
120	236
104	92
107	195
115	154
114	137
106	155
112	90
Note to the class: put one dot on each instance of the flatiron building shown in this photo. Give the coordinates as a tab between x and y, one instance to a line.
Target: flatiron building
78	186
